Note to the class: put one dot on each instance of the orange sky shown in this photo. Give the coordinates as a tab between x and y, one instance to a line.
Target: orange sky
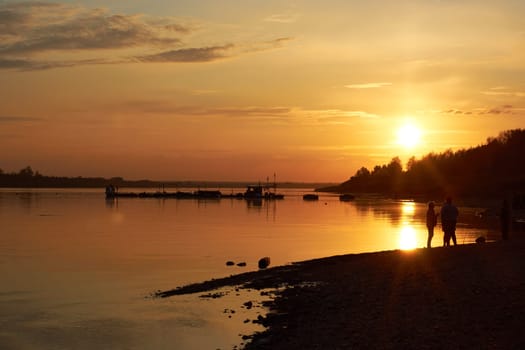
308	90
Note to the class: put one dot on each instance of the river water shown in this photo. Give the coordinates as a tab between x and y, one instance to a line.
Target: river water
77	271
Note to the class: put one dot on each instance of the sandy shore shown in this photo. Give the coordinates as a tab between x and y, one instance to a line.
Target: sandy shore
464	297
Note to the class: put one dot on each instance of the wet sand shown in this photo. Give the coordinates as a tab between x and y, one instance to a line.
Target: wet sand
464	297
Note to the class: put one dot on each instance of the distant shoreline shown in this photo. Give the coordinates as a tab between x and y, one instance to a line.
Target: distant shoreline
26	178
168	185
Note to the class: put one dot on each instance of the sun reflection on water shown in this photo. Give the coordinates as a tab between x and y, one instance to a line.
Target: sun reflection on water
408	208
407	238
407	234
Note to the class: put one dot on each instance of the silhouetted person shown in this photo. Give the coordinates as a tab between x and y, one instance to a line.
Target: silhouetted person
431	222
449	217
505	219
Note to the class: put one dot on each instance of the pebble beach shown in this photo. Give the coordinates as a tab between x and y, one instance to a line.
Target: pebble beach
461	297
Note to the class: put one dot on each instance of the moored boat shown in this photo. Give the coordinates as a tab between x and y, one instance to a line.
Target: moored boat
252	193
310	197
260	192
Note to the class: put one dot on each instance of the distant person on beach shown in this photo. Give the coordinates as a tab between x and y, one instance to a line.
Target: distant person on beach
449	217
431	222
505	219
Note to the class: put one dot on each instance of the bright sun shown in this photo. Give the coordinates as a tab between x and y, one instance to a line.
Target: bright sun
408	135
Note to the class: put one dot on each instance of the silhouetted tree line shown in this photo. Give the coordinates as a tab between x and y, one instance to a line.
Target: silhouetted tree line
493	169
26	177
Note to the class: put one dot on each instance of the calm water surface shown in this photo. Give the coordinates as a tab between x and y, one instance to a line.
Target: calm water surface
76	270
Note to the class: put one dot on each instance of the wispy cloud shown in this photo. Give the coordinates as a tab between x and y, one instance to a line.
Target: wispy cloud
34	34
28	65
274	114
39	27
497	110
453	111
6	63
338	116
202	54
167	107
282	18
367	85
504	109
503	91
270	44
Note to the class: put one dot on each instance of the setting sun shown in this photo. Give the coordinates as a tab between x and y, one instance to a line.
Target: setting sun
408	135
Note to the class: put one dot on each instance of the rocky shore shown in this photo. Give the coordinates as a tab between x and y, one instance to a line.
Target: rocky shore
464	297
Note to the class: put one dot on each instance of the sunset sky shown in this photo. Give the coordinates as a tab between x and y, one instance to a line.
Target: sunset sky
240	90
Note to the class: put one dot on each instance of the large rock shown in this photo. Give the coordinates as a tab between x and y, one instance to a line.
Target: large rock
264	262
480	239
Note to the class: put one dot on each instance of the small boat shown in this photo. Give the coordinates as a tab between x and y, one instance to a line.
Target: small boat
253	192
311	197
259	192
347	197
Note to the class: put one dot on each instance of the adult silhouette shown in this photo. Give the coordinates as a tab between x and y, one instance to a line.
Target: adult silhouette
431	222
449	218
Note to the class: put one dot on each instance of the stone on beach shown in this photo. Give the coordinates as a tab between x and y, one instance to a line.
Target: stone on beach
480	239
264	262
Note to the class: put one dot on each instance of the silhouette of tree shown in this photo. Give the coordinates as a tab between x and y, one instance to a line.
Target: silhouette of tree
363	172
26	172
488	170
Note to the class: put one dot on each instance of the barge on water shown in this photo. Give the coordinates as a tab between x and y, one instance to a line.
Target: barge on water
251	193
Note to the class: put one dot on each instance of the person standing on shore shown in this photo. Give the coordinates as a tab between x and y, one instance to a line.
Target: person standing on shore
431	222
449	217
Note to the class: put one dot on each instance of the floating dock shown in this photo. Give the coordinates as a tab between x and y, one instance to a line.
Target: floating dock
250	194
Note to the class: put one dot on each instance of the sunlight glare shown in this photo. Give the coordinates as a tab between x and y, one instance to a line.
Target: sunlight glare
407	238
408	135
408	208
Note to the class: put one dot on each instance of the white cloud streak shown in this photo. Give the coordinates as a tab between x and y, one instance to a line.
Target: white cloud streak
282	18
367	85
503	91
